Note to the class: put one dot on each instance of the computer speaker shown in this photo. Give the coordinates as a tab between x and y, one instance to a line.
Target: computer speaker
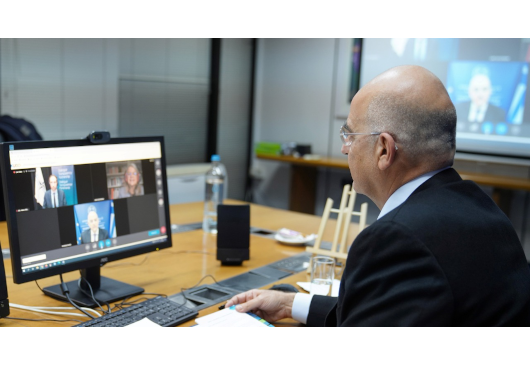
233	234
4	302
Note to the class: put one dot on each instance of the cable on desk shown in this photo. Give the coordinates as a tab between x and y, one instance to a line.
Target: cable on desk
194	286
200	281
39	286
44	319
92	294
66	292
87	294
48	311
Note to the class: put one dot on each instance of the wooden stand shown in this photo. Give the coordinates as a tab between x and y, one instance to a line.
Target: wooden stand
345	212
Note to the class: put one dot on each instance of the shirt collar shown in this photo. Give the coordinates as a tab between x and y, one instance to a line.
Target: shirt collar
400	195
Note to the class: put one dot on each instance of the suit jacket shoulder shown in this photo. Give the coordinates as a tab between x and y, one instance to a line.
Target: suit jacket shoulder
446	256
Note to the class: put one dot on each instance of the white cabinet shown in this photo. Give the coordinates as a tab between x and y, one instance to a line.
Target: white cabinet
186	182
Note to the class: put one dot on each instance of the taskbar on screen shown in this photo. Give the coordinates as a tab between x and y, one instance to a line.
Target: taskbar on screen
101	250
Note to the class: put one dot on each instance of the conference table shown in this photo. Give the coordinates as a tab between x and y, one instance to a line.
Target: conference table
191	258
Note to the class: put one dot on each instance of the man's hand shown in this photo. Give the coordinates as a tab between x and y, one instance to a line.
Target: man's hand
271	305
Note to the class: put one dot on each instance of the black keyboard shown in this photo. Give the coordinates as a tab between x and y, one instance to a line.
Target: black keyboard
160	310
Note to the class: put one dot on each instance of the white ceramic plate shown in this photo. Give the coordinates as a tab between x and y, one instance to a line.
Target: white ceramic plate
299	241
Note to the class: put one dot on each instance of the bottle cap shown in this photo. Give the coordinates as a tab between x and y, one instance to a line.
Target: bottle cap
216	158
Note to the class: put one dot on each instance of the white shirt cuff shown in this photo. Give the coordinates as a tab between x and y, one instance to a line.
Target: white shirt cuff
301	305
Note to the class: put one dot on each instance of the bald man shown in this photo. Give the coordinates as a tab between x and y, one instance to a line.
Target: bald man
441	253
479	109
93	233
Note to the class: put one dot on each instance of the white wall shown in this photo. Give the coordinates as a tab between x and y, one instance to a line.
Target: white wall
66	87
294	84
235	86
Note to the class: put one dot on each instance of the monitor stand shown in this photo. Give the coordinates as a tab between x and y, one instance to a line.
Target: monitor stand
105	289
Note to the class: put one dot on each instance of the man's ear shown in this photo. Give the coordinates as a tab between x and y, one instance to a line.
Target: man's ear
386	150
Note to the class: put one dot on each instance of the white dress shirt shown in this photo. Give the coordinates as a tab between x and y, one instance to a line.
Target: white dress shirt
54	199
477	114
302	301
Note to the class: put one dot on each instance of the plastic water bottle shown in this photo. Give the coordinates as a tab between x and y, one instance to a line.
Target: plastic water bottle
214	194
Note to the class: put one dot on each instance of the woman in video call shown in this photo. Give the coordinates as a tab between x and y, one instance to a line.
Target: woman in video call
131	183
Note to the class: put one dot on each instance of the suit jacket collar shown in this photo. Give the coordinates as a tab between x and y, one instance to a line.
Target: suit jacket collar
442	178
404	192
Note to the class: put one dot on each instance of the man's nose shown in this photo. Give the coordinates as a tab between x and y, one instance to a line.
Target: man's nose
345	149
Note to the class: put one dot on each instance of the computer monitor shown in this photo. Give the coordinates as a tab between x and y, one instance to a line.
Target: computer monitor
4	302
73	205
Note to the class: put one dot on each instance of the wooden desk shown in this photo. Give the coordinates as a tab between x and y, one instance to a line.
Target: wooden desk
304	177
181	266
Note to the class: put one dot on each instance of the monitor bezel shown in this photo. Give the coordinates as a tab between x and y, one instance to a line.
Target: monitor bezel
12	224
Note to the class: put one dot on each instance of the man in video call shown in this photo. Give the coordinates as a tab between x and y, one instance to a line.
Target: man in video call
94	233
54	197
479	109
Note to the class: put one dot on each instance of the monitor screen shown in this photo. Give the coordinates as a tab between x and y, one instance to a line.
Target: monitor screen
75	205
487	80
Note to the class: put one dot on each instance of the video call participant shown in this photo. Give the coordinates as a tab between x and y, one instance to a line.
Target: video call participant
94	233
131	183
54	197
441	252
478	108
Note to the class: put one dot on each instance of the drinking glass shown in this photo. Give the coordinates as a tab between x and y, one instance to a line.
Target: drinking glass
322	275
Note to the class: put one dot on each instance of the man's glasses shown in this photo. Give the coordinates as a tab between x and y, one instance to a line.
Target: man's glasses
131	174
345	133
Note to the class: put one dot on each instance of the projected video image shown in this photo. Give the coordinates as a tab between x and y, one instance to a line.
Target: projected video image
124	179
486	79
44	188
95	223
488	96
60	190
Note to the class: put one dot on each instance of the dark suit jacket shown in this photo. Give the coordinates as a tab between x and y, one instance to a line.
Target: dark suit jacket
446	256
493	113
86	236
61	197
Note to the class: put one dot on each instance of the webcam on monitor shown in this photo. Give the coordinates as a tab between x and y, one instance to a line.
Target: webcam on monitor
98	137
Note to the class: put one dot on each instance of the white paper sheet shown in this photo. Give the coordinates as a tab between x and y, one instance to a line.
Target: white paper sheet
229	317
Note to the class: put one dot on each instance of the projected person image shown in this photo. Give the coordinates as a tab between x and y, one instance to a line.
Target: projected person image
488	96
479	108
54	197
93	233
53	186
131	182
95	223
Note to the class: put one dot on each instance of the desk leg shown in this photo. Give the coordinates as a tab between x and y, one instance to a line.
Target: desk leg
503	199
303	189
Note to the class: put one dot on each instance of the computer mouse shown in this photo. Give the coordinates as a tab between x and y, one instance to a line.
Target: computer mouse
288	288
